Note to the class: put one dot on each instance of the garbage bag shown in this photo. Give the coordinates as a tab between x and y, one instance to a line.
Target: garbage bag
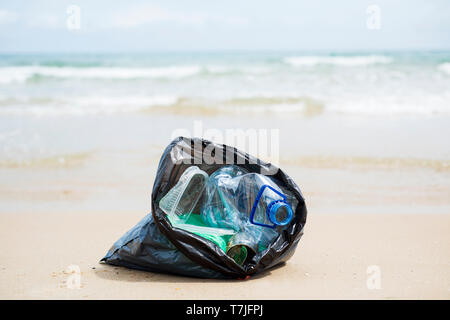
154	244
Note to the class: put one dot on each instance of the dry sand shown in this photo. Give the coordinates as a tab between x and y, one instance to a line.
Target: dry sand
411	252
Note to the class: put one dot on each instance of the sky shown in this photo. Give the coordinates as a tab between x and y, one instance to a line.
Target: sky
231	25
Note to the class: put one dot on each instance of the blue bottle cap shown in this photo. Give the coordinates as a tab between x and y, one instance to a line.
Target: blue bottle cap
273	210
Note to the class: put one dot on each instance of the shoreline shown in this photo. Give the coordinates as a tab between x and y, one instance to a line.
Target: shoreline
331	262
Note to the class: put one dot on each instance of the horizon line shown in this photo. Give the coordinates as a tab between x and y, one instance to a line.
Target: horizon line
230	51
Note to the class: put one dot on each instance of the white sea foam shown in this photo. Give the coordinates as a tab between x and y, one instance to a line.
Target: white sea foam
23	73
391	105
20	74
445	67
83	105
350	61
250	70
115	104
14	74
217	86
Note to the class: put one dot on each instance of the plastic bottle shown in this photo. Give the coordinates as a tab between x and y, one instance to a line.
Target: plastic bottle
250	203
179	202
181	199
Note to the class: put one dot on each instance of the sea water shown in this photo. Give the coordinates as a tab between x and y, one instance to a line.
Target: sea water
351	126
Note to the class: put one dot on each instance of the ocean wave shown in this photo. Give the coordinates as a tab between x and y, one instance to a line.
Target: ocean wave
445	67
415	104
247	105
93	105
241	69
24	73
81	105
344	61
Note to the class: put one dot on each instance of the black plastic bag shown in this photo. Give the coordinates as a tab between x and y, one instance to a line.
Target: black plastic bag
154	245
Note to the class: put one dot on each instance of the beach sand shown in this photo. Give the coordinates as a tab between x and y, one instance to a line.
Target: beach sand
375	230
339	257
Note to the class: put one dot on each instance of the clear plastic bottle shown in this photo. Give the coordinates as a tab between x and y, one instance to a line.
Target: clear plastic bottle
179	202
219	208
181	199
251	204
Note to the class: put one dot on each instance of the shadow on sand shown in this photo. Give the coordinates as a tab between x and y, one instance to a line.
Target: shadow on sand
109	272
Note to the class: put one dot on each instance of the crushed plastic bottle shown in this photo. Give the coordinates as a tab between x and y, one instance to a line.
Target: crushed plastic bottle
219	208
252	204
179	202
181	199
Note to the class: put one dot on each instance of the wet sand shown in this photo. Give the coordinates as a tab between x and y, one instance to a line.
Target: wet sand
339	257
